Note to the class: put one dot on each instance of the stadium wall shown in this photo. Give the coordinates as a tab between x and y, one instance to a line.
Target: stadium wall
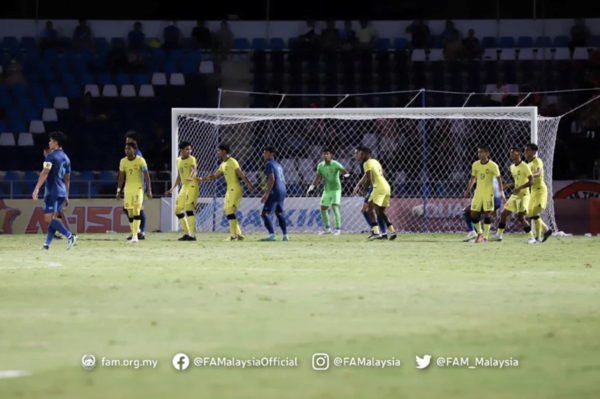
288	29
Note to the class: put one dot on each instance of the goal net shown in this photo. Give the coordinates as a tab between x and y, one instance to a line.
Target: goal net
426	154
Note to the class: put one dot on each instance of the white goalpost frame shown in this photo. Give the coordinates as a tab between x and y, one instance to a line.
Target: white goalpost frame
265	114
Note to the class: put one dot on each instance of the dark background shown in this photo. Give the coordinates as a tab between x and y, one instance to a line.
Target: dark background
292	10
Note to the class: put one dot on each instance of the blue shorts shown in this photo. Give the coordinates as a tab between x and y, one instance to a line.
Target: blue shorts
274	203
368	195
497	203
53	204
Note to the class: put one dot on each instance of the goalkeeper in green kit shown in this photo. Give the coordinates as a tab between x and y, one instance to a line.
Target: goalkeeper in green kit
329	170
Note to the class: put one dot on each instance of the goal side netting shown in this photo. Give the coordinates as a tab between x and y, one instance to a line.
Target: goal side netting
426	155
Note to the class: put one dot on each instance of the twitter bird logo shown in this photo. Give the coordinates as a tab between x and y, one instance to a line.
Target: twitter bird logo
423	363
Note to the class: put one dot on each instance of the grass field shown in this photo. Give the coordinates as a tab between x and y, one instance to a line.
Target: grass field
537	304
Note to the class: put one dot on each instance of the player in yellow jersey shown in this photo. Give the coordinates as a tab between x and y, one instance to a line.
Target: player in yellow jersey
519	200
483	172
380	196
136	169
187	168
230	168
539	193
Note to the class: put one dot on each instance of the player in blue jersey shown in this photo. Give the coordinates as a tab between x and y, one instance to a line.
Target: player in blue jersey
472	234
57	177
365	208
133	137
274	196
61	215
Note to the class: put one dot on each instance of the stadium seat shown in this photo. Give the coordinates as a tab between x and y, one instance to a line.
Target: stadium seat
176	79
141	79
30	179
526	54
25	139
3	126
543	42
259	44
194	56
61	103
562	53
86	79
37	126
28	42
506	42
106	179
7	140
122	79
561	41
207	67
171	67
241	44
73	91
581	54
176	55
18	126
146	91
436	55
110	91
49	115
55	90
383	44
400	44
489	42
104	79
128	91
525	42
159	79
92	89
508	54
418	55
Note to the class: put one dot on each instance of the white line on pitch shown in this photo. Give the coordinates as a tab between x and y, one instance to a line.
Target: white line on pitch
13	373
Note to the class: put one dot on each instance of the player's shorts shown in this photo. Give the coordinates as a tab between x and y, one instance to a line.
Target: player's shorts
368	195
188	196
483	203
274	203
331	198
517	204
133	198
233	199
381	196
539	202
53	204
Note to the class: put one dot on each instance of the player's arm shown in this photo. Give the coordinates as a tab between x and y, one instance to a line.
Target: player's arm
177	181
193	173
214	176
42	179
148	182
243	176
538	172
270	186
120	182
526	185
501	188
470	186
364	181
316	181
68	185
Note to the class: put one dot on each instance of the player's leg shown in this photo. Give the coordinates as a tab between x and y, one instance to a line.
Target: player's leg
365	211
268	209
230	208
375	232
142	233
179	212
510	208
281	219
135	214
336	199
488	208
49	208
326	202
522	216
382	217
55	225
471	233
536	206
237	203
476	206
190	210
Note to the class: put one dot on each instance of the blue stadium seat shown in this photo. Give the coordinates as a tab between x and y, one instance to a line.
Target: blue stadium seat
561	41
383	44
400	44
525	42
507	42
19	90
141	79
65	42
15	179
190	67
10	42
28	42
194	56
13	113
3	90
5	101
33	76
68	78
49	76
80	65
30	179
105	79
241	44
73	91
87	54
37	91
55	90
595	41
18	126
159	55
33	54
259	44
489	42
86	79
63	66
118	41
32	115
43	103
74	191
171	67
543	42
3	126
122	79
69	57
176	55
106	179
100	43
25	102
276	44
51	55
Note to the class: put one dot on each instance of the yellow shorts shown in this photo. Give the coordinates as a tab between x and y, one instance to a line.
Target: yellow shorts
518	204
483	201
381	196
188	196
134	198
539	202
233	199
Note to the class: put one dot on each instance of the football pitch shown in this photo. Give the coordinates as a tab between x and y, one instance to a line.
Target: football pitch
534	307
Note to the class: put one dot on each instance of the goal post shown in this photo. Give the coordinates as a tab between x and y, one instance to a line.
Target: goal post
426	154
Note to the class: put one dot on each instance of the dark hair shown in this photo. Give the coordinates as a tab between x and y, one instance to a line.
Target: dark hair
271	150
224	147
184	144
59	137
132	145
327	149
517	149
366	150
132	135
484	148
532	146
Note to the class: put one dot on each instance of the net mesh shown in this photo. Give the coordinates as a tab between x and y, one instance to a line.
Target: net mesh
427	160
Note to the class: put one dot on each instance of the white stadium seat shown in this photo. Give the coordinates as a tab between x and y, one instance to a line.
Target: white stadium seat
37	127
436	54
159	79
146	91
61	103
490	54
49	115
92	89
418	55
508	54
128	91
207	67
25	139
7	140
562	53
176	79
110	91
581	54
526	54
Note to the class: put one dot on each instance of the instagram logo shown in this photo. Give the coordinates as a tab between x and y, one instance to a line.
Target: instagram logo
320	361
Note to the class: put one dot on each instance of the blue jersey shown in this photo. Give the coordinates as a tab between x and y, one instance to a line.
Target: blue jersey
139	154
273	167
59	165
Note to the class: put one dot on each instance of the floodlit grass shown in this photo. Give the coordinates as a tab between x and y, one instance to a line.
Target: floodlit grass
418	295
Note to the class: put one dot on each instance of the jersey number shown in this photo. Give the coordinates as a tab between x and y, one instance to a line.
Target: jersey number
482	176
489	204
130	172
280	175
62	171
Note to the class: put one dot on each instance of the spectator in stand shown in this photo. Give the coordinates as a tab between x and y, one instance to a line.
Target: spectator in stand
420	34
366	36
330	37
580	34
14	74
451	41
171	36
224	40
117	59
48	37
82	36
201	35
471	46
88	111
310	36
348	35
496	96
136	37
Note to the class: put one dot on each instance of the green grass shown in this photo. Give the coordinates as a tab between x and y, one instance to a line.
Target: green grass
421	294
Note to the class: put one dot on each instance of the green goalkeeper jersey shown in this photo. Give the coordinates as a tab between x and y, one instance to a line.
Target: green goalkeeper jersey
331	173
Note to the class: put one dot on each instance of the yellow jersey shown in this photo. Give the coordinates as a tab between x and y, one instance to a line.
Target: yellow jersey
520	174
184	167
228	168
538	182
377	178
485	174
134	172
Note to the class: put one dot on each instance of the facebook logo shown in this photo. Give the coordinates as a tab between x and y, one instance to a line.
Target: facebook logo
181	361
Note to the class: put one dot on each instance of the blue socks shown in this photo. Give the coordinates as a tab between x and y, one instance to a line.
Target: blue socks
55	226
282	224
469	222
143	222
268	224
367	218
382	225
50	234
